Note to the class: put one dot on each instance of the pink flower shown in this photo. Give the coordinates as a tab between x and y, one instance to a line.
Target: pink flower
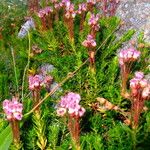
129	55
41	13
134	83
70	103
139	75
139	85
93	19
81	111
65	1
39	81
82	8
93	2
136	54
44	12
13	109
143	83
5	104
57	5
17	115
69	10
94	22
35	82
70	99
48	10
47	80
73	108
61	111
89	42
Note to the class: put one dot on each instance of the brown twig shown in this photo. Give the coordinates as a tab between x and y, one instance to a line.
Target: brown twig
70	75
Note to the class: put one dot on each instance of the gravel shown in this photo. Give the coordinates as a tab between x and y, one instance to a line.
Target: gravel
136	15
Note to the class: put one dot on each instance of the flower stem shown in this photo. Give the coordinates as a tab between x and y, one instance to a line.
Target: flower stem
27	66
15	70
36	99
15	131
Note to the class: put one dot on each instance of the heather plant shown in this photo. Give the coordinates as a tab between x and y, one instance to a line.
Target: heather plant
69	105
13	111
140	90
64	48
126	58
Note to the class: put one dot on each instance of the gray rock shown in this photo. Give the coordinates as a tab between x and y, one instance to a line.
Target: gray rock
58	91
136	15
46	69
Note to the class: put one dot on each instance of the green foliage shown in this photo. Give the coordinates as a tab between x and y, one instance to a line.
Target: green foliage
39	127
11	14
144	137
107	67
53	136
119	137
45	130
3	86
92	142
5	138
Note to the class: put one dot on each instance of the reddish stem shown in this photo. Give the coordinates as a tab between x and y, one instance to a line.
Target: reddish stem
43	19
82	21
125	70
77	130
74	129
105	7
49	21
33	6
90	7
36	98
136	109
70	125
15	131
70	26
92	60
56	15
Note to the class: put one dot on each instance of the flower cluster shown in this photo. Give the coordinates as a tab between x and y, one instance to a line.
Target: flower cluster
69	9
129	55
47	80
58	6
140	86
82	8
33	6
70	103
37	81
13	109
93	22
89	42
140	91
92	2
45	12
109	7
